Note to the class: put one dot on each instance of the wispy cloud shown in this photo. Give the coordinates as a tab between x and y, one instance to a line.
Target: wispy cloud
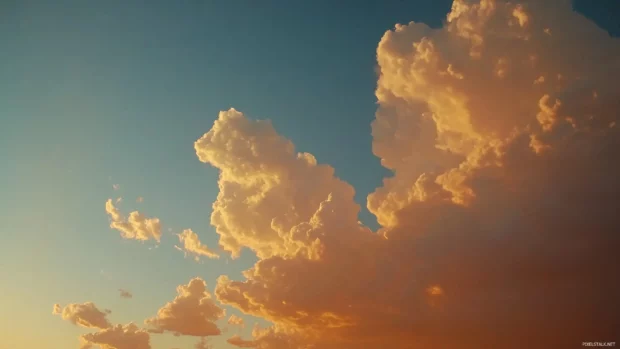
137	226
190	244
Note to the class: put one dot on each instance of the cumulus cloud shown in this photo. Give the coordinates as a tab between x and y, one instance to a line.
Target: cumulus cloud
190	244
137	226
261	198
84	315
127	336
192	312
124	293
235	320
501	206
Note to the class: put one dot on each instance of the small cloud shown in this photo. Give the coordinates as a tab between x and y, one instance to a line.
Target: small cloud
203	344
137	226
193	312
435	290
140	199
192	245
237	341
119	200
84	315
236	320
116	186
125	293
127	336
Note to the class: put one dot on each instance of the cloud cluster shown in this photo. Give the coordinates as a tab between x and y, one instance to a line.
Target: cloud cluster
137	226
84	315
117	337
192	312
190	244
500	130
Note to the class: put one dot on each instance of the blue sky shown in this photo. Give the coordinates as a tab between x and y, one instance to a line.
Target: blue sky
116	92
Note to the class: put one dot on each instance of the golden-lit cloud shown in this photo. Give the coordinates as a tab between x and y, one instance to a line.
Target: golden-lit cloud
124	293
237	341
192	312
501	206
127	336
84	315
266	188
499	224
236	320
190	244
137	226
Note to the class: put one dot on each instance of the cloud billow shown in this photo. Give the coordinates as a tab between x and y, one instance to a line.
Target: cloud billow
500	130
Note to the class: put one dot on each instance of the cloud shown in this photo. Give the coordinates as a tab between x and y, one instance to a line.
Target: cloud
118	337
192	312
125	293
263	168
140	199
84	315
137	226
203	344
501	206
191	244
116	186
272	338
235	320
237	341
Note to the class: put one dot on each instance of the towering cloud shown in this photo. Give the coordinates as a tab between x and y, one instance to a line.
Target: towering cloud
266	188
192	312
500	129
190	243
118	337
137	226
84	315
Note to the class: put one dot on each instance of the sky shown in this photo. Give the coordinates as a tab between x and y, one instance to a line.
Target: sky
308	174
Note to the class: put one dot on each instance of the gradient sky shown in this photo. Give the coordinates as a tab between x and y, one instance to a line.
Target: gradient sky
103	93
